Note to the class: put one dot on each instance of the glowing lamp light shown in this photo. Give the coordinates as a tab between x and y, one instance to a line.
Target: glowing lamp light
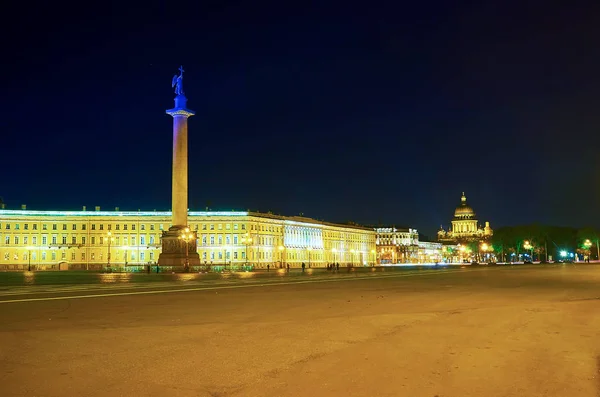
563	253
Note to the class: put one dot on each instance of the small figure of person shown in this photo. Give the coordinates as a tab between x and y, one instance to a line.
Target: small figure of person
303	266
268	267
337	266
288	267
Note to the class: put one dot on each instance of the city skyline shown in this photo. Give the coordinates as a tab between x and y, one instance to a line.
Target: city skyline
320	112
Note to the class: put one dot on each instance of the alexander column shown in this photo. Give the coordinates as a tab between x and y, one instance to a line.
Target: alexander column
179	242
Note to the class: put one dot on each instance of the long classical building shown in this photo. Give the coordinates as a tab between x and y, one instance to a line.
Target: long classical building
83	239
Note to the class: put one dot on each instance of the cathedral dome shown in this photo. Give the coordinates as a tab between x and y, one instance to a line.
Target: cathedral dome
464	211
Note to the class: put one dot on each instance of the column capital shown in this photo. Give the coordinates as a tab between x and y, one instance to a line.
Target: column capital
178	112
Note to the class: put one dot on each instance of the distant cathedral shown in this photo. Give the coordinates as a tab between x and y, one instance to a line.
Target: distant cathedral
465	226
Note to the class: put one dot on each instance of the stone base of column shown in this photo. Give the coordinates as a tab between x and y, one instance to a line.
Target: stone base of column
173	257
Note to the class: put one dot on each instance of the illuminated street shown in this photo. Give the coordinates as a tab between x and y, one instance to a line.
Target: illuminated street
475	331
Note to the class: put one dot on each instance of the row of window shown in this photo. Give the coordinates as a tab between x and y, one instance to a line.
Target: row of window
131	255
83	240
211	226
118	226
63	256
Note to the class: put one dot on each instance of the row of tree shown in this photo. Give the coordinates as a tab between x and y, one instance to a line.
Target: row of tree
544	241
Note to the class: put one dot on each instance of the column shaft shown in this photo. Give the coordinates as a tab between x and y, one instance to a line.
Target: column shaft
180	170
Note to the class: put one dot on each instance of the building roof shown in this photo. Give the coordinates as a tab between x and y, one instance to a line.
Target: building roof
464	211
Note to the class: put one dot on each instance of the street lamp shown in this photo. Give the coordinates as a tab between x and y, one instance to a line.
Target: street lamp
587	245
484	248
29	257
527	245
461	249
126	252
246	240
309	249
187	237
109	239
280	256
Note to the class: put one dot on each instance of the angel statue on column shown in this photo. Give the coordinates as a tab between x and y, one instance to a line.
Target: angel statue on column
178	82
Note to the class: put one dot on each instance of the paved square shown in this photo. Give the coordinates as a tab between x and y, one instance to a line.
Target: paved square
514	331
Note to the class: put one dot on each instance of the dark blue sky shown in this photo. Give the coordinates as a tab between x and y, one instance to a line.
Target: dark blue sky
383	113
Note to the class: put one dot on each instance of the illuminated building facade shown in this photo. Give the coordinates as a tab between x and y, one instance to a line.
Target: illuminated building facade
92	239
465	226
397	245
430	252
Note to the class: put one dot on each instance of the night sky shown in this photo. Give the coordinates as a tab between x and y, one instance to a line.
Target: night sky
341	110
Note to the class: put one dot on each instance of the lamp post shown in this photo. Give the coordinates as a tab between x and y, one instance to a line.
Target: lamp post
309	249
461	249
109	239
527	245
280	256
126	253
587	245
484	248
186	236
29	257
246	240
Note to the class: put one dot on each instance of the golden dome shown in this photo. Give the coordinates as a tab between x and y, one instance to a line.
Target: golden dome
464	211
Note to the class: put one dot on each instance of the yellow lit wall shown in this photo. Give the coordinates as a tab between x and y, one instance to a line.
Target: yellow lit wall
47	238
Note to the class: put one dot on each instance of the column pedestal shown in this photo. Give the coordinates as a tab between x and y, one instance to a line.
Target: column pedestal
173	251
